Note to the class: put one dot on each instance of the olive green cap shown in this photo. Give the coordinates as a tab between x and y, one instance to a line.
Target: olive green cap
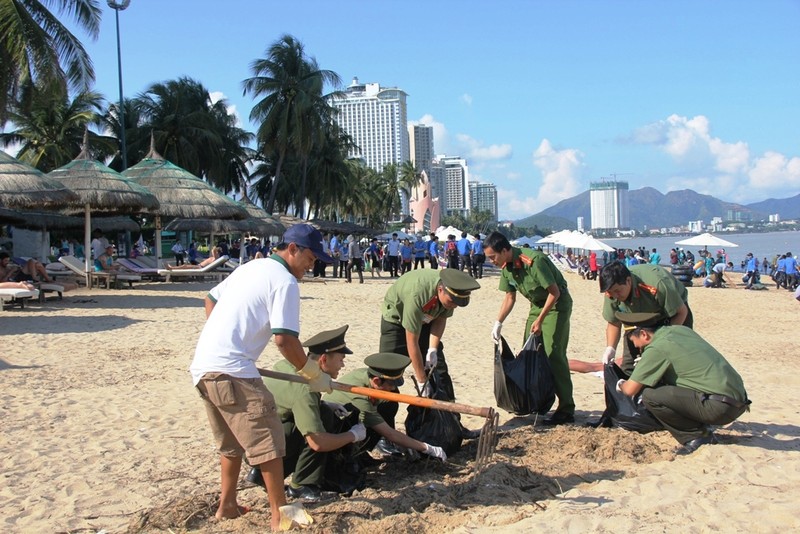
639	320
458	284
329	341
387	365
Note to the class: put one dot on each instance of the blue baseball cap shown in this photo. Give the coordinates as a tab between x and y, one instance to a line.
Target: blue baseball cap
306	236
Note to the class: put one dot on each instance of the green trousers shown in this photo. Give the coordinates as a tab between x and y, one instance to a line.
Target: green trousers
555	336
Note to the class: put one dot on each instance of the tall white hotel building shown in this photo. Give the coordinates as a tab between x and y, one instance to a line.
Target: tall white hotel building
376	119
609	204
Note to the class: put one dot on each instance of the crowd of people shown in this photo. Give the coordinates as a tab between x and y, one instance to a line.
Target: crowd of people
284	427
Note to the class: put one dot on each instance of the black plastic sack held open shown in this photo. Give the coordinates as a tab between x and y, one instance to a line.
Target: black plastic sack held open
435	427
523	384
626	412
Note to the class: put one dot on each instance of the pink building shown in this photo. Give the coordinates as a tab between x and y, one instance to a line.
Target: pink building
424	209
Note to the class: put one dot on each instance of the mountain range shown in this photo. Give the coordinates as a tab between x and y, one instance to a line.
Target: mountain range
649	208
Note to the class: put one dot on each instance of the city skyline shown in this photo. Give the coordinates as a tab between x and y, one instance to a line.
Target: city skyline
540	98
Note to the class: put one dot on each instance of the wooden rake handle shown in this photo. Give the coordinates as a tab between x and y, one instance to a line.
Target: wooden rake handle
387	395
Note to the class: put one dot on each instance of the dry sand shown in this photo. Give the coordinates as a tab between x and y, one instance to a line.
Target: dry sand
102	430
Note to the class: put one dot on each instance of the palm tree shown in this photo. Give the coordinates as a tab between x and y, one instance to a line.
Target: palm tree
390	190
192	132
50	127
291	86
408	179
37	49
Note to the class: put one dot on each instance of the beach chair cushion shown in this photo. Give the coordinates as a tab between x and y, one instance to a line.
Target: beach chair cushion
14	296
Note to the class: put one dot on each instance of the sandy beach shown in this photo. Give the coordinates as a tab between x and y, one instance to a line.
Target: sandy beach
102	429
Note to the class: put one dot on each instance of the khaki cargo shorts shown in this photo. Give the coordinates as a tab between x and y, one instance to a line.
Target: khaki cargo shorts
243	417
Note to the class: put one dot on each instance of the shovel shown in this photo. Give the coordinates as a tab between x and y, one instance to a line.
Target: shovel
488	436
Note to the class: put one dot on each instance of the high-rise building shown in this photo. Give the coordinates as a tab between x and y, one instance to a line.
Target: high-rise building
375	117
437	181
420	139
456	178
609	204
483	197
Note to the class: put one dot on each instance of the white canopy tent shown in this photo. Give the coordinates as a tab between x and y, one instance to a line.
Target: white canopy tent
705	240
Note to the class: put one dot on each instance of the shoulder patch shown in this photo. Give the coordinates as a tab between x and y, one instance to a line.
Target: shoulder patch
649	289
431	304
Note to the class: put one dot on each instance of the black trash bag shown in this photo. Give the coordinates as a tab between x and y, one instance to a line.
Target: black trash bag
523	384
626	412
435	427
343	473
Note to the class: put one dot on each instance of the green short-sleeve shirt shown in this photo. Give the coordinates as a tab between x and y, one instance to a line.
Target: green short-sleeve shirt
678	356
369	411
653	290
530	273
295	402
413	301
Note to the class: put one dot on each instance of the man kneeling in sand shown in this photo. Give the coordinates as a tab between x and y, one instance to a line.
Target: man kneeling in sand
685	383
313	428
384	371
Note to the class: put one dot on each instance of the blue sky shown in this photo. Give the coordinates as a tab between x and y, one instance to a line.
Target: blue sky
541	97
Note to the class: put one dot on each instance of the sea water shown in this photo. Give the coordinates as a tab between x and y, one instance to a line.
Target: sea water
762	245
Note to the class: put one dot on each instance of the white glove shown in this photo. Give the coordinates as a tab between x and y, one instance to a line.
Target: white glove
317	380
427	390
431	358
337	409
608	355
436	452
619	385
359	432
496	331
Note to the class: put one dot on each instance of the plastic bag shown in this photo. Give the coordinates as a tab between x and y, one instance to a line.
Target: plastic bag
523	384
435	427
626	412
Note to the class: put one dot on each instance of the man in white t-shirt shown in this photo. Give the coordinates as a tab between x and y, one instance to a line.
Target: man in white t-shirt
720	276
99	243
259	300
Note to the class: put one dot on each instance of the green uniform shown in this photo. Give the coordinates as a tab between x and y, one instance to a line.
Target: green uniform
368	407
300	413
679	369
653	290
530	273
412	303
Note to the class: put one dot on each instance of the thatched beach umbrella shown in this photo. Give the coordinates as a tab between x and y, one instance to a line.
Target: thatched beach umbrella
102	189
269	225
42	220
212	226
180	193
24	187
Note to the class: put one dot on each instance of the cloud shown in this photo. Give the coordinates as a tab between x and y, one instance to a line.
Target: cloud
467	99
560	179
216	96
472	149
713	166
775	171
441	138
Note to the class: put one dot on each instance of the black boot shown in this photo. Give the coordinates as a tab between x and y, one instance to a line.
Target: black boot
255	477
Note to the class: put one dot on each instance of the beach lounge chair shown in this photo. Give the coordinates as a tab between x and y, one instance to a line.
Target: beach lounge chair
144	272
16	297
46	287
212	269
146	262
77	266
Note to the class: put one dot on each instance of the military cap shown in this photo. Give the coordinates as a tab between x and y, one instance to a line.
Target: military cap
387	365
328	341
631	321
459	285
